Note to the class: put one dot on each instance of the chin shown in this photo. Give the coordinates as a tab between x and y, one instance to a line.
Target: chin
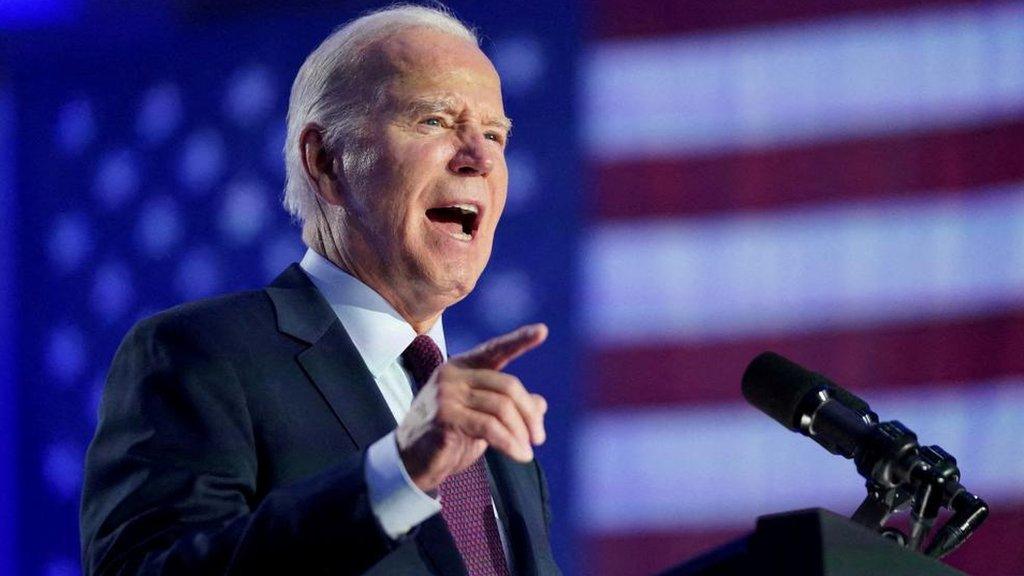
444	278
457	284
457	289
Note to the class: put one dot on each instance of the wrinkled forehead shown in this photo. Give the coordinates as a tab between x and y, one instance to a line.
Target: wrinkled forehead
416	47
419	61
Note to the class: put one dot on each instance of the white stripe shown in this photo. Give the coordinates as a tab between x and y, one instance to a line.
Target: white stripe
702	468
850	265
833	79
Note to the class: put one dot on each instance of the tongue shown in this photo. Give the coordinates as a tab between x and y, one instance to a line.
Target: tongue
449	219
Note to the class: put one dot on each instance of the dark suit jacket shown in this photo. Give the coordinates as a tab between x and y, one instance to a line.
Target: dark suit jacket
231	440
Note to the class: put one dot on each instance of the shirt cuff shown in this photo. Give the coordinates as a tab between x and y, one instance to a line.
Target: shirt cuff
396	501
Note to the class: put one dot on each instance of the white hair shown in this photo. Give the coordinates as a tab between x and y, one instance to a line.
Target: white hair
329	91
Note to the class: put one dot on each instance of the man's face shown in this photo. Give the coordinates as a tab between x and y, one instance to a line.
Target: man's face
427	186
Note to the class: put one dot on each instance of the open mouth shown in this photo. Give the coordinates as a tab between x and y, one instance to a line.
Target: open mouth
461	220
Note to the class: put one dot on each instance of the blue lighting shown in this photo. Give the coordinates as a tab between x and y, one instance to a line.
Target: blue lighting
25	13
62	567
62	468
202	160
244	211
160	115
8	399
112	292
198	274
158	228
71	241
75	128
280	252
117	179
66	355
250	96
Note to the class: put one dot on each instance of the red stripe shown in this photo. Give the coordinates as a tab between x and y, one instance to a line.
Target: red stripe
994	550
637	18
781	178
904	355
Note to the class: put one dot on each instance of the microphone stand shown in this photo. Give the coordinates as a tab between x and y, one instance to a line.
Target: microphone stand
901	474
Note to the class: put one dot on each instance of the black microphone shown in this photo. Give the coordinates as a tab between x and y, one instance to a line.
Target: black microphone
886	453
808	403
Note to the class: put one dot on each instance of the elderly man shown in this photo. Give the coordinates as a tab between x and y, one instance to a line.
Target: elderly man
256	433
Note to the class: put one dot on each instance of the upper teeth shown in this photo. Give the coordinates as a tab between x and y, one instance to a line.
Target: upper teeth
465	208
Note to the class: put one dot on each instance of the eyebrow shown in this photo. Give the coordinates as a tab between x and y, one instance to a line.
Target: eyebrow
448	105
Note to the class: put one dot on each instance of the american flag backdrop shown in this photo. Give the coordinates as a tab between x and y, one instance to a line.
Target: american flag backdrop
841	182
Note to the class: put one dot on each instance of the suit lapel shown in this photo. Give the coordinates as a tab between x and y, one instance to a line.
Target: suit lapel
436	542
336	369
515	484
331	362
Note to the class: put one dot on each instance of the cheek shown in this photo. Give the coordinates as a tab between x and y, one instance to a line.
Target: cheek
500	176
500	195
391	186
415	171
415	154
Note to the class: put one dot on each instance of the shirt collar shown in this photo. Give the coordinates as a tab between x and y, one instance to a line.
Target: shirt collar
379	333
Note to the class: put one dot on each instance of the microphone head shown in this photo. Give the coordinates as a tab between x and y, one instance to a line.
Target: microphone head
778	387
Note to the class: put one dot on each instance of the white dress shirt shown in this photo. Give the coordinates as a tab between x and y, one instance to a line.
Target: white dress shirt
380	336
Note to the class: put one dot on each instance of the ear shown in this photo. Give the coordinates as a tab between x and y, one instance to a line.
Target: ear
319	163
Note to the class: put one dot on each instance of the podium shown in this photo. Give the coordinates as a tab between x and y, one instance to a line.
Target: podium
812	542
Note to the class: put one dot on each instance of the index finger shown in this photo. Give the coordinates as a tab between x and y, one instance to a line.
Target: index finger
496	353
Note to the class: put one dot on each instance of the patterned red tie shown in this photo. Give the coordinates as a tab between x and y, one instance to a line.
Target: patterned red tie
465	497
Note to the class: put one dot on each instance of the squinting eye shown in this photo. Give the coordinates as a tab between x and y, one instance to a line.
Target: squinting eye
433	122
494	136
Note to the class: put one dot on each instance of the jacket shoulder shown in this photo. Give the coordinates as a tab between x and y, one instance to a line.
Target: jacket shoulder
223	323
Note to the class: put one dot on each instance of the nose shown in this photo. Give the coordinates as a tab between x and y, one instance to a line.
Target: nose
475	154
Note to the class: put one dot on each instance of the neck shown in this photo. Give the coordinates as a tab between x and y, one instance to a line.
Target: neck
421	321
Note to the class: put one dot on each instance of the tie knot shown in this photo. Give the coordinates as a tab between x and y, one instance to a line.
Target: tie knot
422	357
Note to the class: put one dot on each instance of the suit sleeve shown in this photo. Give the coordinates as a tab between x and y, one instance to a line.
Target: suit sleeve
171	476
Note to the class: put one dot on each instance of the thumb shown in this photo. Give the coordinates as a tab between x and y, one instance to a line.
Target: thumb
497	352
